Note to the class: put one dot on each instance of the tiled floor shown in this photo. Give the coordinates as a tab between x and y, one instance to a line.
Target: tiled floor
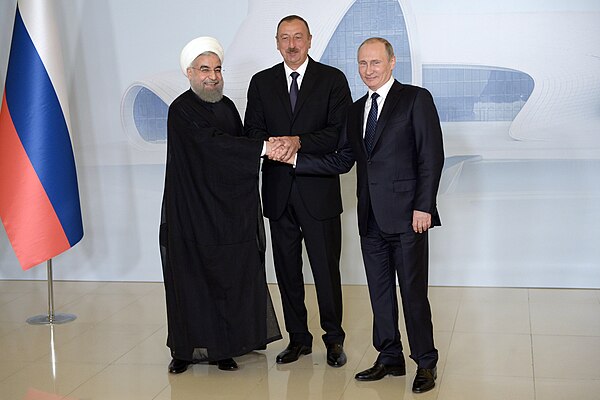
500	344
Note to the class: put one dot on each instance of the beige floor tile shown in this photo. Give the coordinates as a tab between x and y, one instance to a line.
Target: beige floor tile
62	333
273	289
566	357
173	393
509	317
8	368
98	307
127	288
495	295
76	287
272	350
103	343
32	342
355	292
152	350
562	389
156	289
301	384
442	341
443	314
23	286
370	355
357	314
564	296
388	388
120	382
445	293
48	378
10	328
261	359
565	319
465	387
207	381
33	304
146	310
490	354
37	342
8	297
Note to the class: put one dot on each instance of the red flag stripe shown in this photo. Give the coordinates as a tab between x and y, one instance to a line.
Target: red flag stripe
28	201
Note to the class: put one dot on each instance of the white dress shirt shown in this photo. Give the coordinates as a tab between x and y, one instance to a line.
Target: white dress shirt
382	92
301	70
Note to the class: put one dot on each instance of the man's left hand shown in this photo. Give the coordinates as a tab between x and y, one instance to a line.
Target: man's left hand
421	221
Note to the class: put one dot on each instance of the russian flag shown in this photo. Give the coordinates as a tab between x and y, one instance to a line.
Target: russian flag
39	197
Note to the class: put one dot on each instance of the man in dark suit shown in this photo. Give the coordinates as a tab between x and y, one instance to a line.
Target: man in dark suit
394	136
302	103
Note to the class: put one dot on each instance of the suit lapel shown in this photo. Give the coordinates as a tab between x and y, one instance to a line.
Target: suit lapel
309	82
391	100
281	89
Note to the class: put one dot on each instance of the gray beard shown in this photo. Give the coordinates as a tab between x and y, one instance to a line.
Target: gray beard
213	96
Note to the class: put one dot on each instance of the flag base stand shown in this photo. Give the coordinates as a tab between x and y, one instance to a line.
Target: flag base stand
51	318
59	318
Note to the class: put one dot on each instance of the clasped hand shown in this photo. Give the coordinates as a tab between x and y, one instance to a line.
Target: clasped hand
283	148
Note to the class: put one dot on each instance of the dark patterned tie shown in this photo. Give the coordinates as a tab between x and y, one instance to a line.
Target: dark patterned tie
371	124
294	89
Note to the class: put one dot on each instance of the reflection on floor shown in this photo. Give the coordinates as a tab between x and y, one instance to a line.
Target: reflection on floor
494	343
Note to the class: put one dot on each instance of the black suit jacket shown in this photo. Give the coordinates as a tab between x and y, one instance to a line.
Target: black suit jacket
403	171
318	118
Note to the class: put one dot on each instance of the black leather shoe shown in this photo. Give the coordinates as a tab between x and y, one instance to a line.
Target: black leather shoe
379	370
335	355
177	366
424	380
292	353
227	364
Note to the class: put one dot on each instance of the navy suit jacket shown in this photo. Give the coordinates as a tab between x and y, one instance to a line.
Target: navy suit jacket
403	171
318	119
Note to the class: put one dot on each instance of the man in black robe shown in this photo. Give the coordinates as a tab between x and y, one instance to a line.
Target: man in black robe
211	232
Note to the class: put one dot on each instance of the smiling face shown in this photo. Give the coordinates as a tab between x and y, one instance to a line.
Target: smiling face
293	42
375	64
205	77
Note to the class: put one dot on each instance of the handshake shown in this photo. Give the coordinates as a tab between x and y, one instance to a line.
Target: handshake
283	148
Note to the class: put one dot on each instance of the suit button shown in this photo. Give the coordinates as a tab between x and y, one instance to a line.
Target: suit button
369	162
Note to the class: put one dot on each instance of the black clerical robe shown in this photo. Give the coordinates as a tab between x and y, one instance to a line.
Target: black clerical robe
212	235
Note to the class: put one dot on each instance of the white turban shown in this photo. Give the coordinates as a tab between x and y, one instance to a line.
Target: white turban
196	47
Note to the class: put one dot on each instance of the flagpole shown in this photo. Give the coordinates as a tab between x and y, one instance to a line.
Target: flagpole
51	318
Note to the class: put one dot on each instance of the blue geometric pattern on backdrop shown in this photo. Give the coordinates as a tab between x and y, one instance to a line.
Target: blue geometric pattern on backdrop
150	116
365	19
475	93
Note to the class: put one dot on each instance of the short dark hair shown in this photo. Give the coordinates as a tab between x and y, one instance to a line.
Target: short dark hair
292	18
388	46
